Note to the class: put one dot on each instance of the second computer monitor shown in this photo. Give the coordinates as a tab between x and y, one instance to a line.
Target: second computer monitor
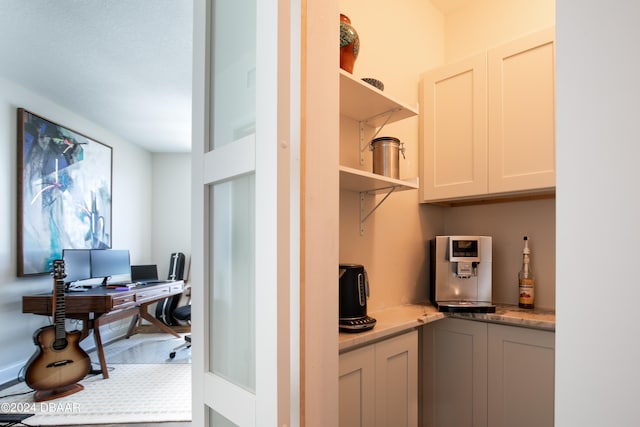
112	264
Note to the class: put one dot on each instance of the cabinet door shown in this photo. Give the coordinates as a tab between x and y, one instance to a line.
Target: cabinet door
357	388
453	130
455	373
522	114
397	381
521	377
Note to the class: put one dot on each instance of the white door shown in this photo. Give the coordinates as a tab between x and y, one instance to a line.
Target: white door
241	167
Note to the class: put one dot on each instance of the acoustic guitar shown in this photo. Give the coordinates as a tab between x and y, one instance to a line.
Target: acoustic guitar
59	362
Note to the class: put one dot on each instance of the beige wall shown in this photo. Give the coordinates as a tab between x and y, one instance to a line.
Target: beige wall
508	223
171	207
394	247
485	23
398	40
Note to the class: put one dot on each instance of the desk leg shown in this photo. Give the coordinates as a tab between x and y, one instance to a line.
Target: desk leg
98	339
102	318
133	325
145	315
87	324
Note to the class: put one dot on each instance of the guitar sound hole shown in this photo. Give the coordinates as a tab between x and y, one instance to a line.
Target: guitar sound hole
59	344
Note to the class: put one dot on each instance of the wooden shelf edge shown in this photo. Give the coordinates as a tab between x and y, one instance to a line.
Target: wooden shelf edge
486	199
373	110
362	181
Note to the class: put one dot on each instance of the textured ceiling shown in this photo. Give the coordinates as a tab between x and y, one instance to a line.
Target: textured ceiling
125	65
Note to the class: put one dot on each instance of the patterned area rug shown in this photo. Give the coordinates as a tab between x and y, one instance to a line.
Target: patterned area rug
132	394
144	385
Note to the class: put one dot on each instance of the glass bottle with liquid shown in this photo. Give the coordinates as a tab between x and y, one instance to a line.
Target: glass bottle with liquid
525	279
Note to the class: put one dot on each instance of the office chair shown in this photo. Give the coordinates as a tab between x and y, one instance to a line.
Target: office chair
182	315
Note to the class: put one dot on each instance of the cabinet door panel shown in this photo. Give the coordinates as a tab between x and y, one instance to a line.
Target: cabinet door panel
357	388
521	372
454	130
397	381
455	374
522	114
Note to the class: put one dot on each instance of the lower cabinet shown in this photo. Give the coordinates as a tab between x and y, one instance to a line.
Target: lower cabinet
521	377
454	373
480	374
379	384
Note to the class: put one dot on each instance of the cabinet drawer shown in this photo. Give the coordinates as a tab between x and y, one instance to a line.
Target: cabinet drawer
176	288
156	292
123	301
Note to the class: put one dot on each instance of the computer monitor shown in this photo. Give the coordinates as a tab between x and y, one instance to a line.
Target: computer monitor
77	264
111	264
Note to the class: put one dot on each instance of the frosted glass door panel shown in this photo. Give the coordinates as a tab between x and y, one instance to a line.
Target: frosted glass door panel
217	420
232	350
233	64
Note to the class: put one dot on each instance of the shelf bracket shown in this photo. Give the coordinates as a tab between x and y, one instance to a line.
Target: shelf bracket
363	216
364	145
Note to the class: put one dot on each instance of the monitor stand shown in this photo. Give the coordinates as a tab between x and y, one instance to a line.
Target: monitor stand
86	283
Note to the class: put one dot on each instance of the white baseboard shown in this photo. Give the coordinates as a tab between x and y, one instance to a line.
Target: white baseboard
9	375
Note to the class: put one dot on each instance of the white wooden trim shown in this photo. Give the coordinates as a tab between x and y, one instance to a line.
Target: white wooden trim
294	84
199	204
242	401
217	166
267	210
320	209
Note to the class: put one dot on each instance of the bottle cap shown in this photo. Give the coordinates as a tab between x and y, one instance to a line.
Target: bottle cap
526	249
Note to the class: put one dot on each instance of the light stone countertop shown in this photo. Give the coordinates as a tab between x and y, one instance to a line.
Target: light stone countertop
396	320
514	316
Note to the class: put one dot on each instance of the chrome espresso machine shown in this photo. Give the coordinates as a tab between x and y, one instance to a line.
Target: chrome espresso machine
461	274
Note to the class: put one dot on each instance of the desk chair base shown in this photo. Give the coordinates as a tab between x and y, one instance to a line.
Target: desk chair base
185	344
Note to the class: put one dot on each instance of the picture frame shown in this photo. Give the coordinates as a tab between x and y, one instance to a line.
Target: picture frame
64	192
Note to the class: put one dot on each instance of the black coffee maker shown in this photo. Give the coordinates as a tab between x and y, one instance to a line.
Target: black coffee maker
354	291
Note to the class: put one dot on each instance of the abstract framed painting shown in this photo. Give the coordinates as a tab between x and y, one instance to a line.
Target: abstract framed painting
64	193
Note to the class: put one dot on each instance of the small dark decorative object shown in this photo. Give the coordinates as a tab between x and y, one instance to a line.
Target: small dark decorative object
374	82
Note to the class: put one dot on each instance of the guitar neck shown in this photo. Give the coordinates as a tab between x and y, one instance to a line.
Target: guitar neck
58	300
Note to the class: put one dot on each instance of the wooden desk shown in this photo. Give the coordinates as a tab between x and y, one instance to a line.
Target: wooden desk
99	306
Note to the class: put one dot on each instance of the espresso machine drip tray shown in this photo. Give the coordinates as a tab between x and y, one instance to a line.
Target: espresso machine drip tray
360	324
466	307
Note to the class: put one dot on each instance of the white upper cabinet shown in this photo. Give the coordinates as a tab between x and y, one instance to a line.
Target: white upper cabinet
522	114
488	123
453	130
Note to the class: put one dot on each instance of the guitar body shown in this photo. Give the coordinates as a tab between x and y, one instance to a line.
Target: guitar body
56	363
